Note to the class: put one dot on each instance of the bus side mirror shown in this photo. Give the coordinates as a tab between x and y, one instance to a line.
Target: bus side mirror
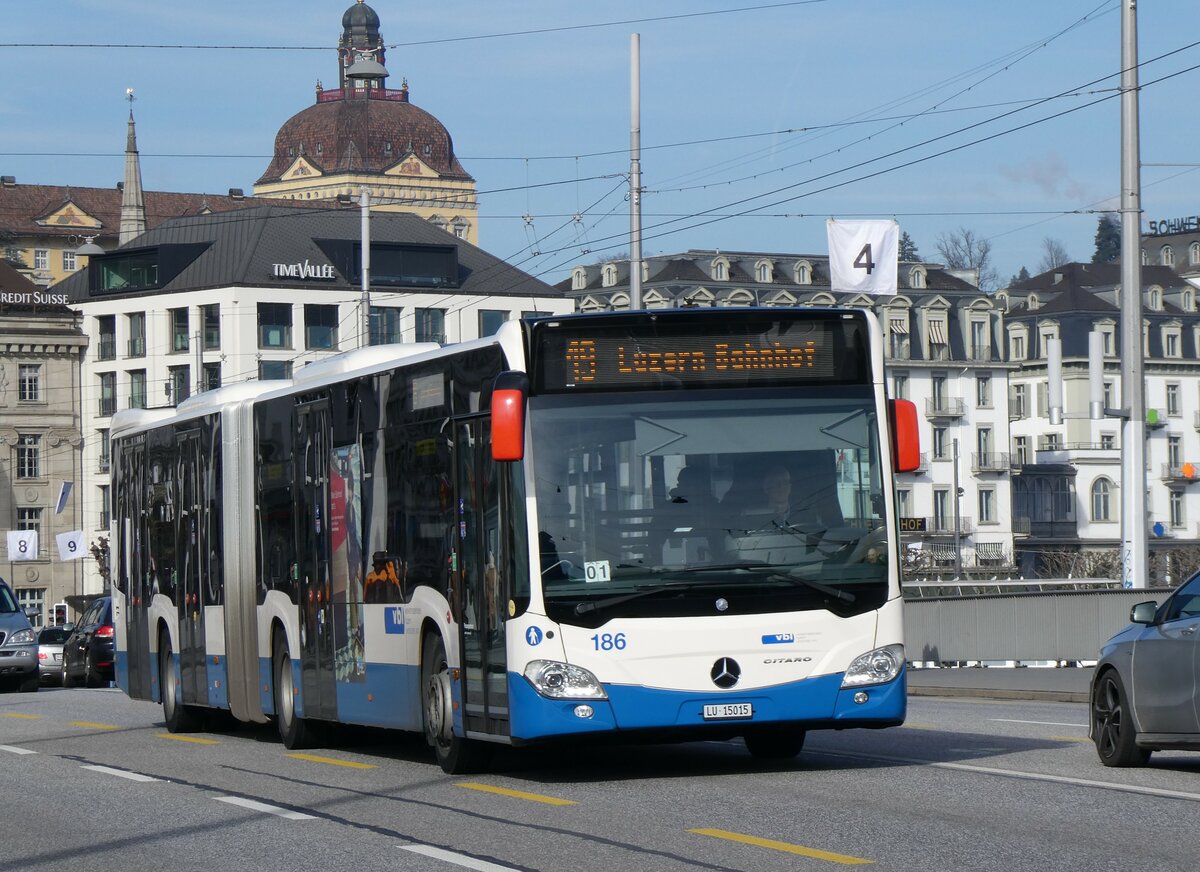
906	442
508	416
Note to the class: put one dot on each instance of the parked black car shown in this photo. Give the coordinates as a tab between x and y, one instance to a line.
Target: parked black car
88	651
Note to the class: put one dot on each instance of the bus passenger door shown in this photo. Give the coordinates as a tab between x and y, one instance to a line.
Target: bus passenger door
478	544
189	598
135	503
313	444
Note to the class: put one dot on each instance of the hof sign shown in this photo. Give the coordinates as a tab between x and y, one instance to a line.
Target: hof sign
863	256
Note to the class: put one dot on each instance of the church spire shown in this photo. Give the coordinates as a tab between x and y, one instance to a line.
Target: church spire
133	203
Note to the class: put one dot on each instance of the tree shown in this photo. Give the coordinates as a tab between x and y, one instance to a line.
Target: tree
908	248
1022	276
1054	255
962	249
101	554
1108	239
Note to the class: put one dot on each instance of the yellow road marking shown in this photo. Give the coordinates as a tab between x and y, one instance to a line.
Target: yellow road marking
349	764
92	726
786	847
24	717
1071	738
196	740
516	794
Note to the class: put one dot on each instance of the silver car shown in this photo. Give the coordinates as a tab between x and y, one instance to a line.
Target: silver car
18	644
1144	690
50	653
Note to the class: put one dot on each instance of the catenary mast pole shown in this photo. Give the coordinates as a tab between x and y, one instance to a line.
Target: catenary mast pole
1134	546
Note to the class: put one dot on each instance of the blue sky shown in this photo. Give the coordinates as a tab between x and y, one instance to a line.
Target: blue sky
759	120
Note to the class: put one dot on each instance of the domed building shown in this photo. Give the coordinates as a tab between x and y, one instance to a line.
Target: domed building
362	134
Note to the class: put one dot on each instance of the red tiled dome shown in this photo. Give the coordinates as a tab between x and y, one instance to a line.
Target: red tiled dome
353	134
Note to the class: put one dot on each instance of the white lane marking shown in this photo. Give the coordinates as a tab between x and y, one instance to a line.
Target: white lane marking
1039	723
1023	776
253	805
122	773
457	859
13	749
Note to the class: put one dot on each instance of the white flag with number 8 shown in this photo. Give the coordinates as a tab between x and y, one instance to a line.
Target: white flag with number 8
863	256
22	545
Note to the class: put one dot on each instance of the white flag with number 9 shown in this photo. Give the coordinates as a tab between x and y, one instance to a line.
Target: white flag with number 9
863	256
71	546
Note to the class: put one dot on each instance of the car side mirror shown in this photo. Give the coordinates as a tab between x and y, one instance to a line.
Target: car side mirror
1144	613
32	612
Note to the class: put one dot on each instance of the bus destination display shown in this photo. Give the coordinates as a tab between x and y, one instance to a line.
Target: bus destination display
608	359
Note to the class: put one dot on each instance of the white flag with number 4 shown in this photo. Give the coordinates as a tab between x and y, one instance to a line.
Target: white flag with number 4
22	545
863	256
70	545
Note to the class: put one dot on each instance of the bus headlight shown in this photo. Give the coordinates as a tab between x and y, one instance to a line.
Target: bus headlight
563	681
875	667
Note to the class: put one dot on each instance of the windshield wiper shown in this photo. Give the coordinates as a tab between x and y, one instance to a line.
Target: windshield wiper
844	596
592	605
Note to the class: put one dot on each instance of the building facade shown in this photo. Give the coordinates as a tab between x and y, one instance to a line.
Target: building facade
257	294
943	346
41	349
999	487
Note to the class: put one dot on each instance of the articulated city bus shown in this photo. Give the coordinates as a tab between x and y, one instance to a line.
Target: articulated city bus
645	526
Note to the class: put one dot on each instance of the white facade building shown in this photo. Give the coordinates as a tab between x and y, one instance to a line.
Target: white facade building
219	299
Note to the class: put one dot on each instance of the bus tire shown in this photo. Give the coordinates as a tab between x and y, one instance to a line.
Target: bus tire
775	743
179	718
455	754
295	732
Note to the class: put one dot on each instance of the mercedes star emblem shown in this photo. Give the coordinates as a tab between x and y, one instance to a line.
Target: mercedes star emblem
725	673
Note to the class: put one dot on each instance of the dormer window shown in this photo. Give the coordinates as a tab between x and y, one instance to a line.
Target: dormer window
917	277
720	270
608	275
1166	256
764	272
1194	254
387	148
803	273
1189	301
1156	299
578	278
1033	302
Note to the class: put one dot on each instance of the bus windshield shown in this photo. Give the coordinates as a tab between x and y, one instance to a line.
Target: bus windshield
663	503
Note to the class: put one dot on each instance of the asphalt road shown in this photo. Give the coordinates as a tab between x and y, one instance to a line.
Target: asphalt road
91	780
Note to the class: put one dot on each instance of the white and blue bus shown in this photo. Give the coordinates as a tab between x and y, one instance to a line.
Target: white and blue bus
645	526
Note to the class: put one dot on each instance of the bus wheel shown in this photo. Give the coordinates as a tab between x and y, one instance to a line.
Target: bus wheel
294	731
455	754
775	743
179	717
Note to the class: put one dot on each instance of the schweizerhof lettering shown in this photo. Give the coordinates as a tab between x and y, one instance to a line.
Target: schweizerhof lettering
304	270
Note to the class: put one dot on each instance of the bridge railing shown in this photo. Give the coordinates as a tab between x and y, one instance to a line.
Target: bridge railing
1019	625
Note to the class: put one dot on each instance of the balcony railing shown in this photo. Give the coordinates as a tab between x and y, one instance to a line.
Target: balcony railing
982	355
945	525
137	347
104	464
108	406
107	348
1181	472
989	462
945	407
